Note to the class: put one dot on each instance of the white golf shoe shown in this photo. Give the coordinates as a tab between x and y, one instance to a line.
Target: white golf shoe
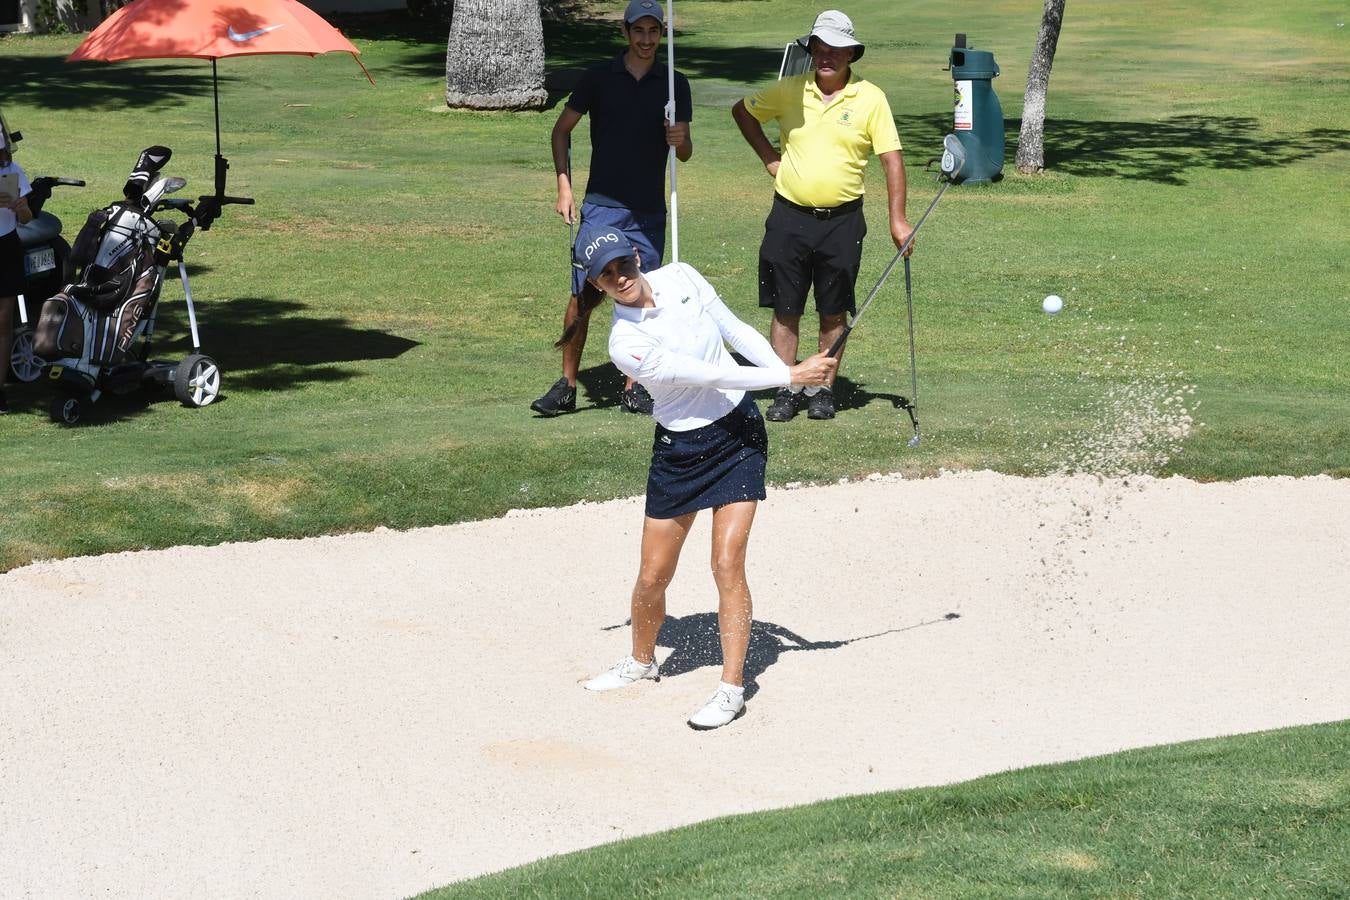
623	673
727	703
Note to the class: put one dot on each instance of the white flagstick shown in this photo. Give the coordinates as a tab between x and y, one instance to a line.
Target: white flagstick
670	117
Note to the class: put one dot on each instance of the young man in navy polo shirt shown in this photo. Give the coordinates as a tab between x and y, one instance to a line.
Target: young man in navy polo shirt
630	142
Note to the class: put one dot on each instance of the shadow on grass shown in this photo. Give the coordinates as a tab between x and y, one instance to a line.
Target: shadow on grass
261	344
268	344
35	399
52	83
601	387
696	644
1146	151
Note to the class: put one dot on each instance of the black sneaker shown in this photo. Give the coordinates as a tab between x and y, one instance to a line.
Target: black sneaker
784	406
637	400
560	398
820	405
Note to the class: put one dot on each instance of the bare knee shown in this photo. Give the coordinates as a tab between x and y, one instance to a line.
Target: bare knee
651	583
728	570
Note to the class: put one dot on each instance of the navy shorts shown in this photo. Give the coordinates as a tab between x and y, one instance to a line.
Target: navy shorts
710	466
647	231
803	249
12	281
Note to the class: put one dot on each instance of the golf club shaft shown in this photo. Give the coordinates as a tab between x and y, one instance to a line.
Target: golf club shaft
913	360
899	255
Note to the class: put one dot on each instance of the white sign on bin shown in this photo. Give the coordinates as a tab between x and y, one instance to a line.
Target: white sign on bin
965	119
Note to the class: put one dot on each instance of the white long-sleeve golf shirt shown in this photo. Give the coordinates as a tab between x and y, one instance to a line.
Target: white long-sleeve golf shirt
677	350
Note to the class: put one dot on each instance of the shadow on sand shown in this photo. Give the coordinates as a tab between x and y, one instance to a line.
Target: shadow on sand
696	644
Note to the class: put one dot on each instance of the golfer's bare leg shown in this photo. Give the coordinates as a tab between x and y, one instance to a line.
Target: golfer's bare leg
831	327
784	336
731	536
662	540
571	351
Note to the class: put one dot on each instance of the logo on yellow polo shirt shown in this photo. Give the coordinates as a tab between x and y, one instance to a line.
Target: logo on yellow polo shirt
846	117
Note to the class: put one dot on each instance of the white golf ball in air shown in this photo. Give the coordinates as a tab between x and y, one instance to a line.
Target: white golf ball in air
1052	304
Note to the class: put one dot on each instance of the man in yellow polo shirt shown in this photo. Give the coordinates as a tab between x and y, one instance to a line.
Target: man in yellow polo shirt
830	122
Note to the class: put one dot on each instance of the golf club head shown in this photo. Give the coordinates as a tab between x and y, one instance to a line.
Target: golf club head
151	160
160	188
953	157
914	441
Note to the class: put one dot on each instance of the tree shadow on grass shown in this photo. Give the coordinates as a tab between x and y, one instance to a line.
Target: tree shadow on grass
696	644
1159	152
50	82
268	344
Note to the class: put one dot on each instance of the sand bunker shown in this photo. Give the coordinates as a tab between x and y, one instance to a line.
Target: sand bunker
373	715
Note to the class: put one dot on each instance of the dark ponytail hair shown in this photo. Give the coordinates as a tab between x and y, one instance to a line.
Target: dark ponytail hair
587	301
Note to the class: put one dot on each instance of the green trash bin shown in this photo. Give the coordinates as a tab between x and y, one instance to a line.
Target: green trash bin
978	116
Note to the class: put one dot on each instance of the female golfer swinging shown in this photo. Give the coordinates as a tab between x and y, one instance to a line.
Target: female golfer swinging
668	333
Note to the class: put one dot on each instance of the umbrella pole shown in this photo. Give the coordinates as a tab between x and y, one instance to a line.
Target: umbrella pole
221	164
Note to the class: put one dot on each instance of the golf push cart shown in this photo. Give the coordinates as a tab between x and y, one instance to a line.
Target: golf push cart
96	334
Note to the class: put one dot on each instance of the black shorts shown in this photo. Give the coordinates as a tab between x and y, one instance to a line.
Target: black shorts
804	249
710	466
12	281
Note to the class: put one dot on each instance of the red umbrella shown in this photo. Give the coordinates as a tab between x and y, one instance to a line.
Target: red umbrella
212	29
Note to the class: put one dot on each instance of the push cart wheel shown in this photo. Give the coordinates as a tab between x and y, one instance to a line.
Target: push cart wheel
23	362
196	381
66	410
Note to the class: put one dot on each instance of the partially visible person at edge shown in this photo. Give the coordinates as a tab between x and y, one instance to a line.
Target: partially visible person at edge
670	330
630	140
830	121
14	212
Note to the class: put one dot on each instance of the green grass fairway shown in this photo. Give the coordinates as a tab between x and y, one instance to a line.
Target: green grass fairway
1262	815
385	313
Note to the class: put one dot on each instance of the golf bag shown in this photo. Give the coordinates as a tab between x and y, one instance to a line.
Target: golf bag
119	258
119	281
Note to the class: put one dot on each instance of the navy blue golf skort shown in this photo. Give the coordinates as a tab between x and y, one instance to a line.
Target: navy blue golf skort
710	466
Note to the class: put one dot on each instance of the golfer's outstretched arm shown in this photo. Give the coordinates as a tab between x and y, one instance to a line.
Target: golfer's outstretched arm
561	138
754	135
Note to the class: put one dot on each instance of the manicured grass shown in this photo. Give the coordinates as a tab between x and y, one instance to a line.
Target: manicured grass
1261	815
385	313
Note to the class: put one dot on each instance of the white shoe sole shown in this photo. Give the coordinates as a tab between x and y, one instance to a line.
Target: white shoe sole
692	724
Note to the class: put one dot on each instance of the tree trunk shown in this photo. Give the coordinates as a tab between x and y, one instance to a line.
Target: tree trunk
1031	139
494	58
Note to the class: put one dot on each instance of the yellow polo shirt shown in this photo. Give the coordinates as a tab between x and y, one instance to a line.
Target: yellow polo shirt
825	148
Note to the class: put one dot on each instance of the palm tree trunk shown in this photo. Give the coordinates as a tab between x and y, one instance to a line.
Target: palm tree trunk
494	58
1031	138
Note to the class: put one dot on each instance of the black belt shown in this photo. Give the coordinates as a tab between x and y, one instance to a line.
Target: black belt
828	212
